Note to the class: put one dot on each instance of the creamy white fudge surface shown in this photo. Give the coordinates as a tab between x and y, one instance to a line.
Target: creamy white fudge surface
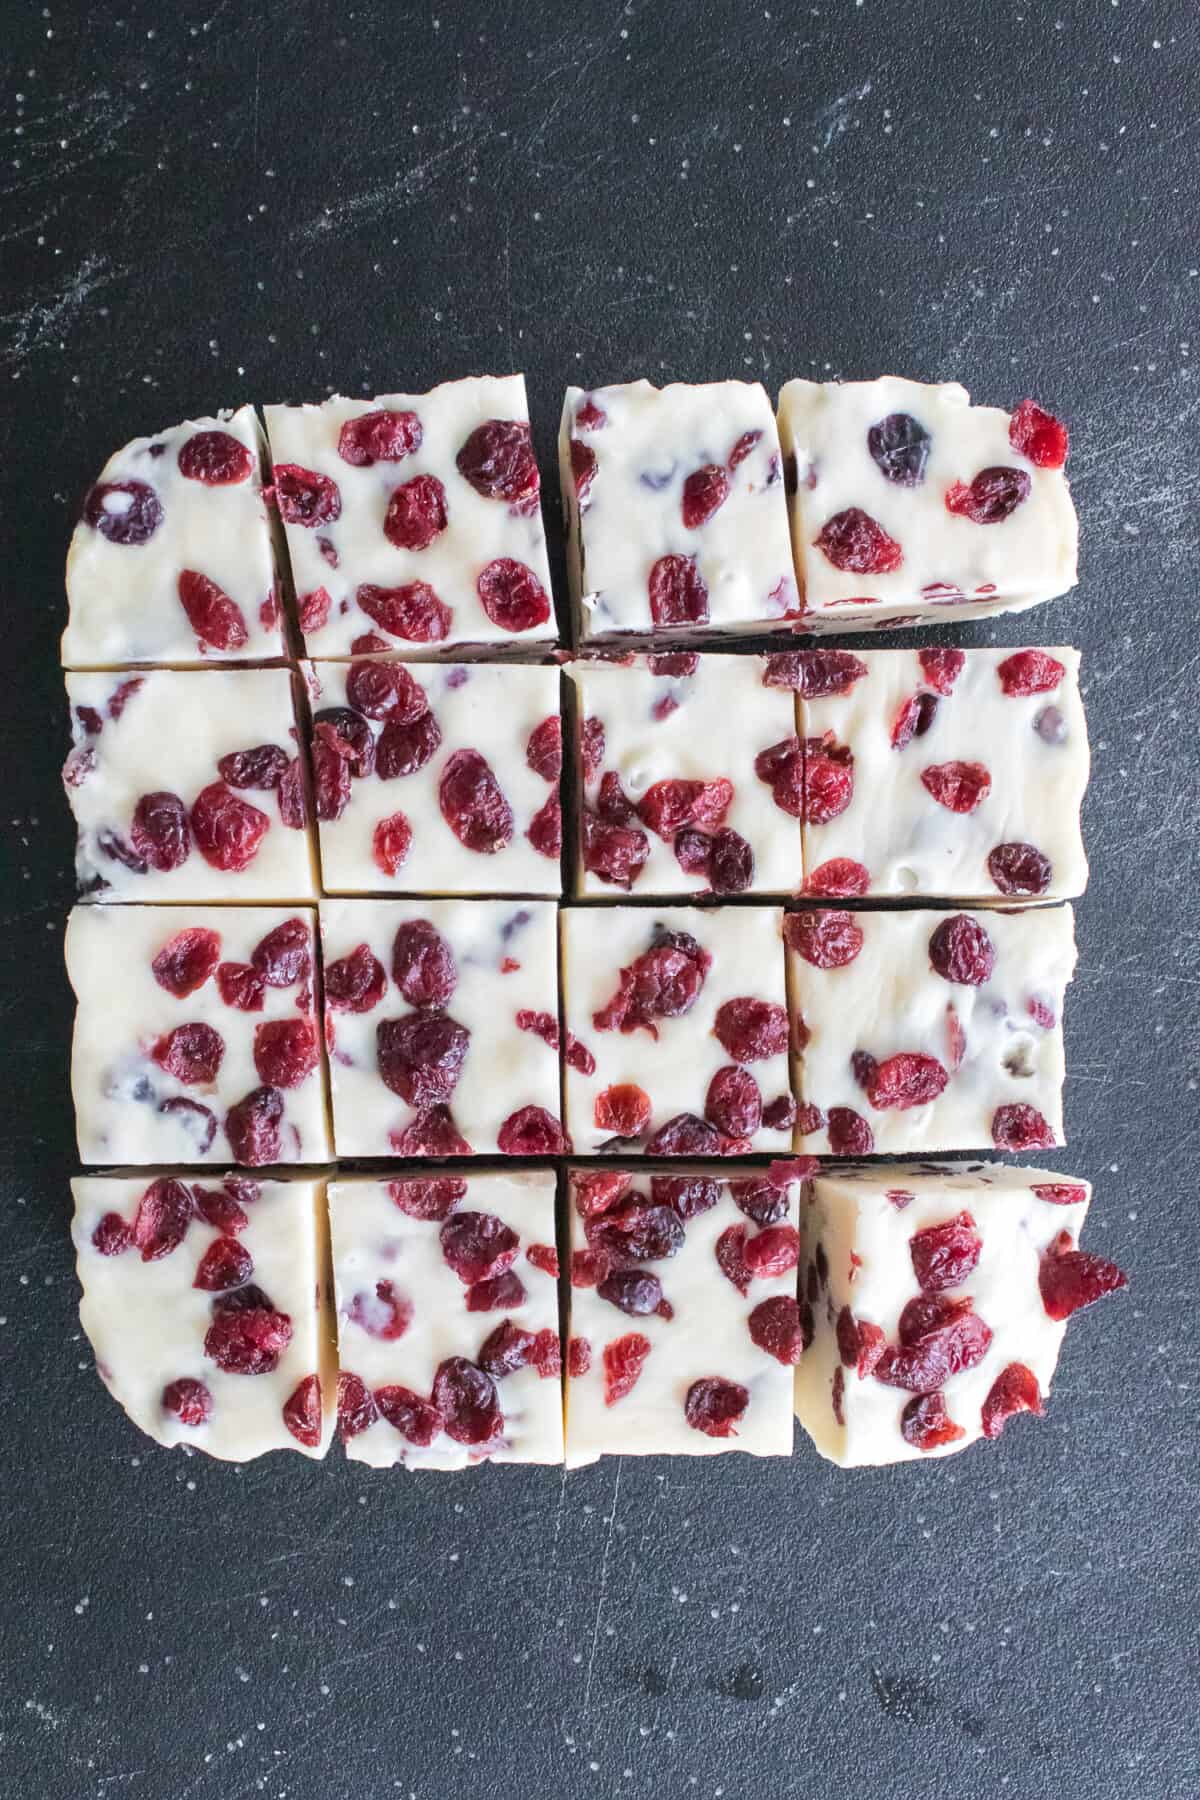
909	503
947	773
196	1037
188	786
173	558
921	1031
441	1021
684	1326
675	512
415	519
207	1305
682	1013
447	1315
933	1303
437	779
691	775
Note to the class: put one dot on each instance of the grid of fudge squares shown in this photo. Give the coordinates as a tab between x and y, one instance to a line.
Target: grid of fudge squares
447	1317
690	777
684	1323
196	1037
675	512
437	779
677	1031
941	772
415	516
188	785
207	1305
908	503
918	1031
173	559
934	1302
441	1025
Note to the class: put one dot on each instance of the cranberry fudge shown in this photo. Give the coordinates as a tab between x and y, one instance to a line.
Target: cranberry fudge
918	1031
691	775
441	1023
678	1031
173	560
942	773
196	1037
207	1307
684	1324
415	519
440	779
909	503
675	513
933	1303
188	786
447	1315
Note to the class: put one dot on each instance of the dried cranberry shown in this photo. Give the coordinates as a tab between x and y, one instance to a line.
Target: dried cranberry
355	983
941	668
214	457
413	611
623	1110
348	736
733	1102
531	1131
827	940
252	1127
730	1253
409	1414
636	1232
864	1067
579	1357
588	1268
674	663
1030	672
159	833
434	1198
1038	435
506	1350
406	746
162	1218
313	609
714	1406
416	513
944	1255
828	779
853	540
468	1403
839	878
849	1133
380	436
761	1199
511	595
663	983
191	1053
678	595
228	830
112	1235
498	462
331	773
420	1056
914	719
221	1209
595	1194
543	1257
213	616
384	690
906	1079
423	965
583	470
624	1360
285	1052
225	1264
302	1412
773	1251
283	956
547	1354
667	806
431	1133
1014	1390
814	673
1018	1127
634	1292
1060	1193
774	1326
247	1335
782	768
304	497
779	1114
751	1030
262	767
730	863
478	1246
685	1135
591	747
589	416
124	512
543	752
960	950
899	447
189	1400
371	644
1070	1279
473	805
991	497
951	1339
241	987
958	786
704	491
545	829
356	1410
1019	869
687	1195
926	1425
187	960
391	842
79	764
741	450
860	1343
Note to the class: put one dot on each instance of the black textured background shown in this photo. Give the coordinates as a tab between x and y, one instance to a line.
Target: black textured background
207	202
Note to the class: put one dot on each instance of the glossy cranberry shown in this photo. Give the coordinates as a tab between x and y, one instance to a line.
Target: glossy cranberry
285	1052
198	1122
730	863
391	842
926	1425
216	458
779	1114
761	1199
588	1268
687	1195
355	983
772	1251
124	512
252	1127
860	1343
412	612
827	940
914	719
506	1350
380	436
348	736
1014	1390
228	830
222	1209
678	595
225	1264
409	1413
247	1335
946	1342
467	1400
781	767
751	1030
635	1292
597	1193
545	829
854	541
306	498
839	878
404	746
543	1257
774	1325
623	1110
583	470
941	668
685	1135
828	779
662	983
715	1406
1038	435
473	805
432	1198
416	513
991	497
1019	869
159	833
958	786
624	1360
543	752
849	1133
733	1102
589	416
478	1246
512	596
191	1053
1030	672
420	1056
216	619
1060	1193
899	448
162	1218
189	1400
907	1079
814	673
961	951
531	1131
313	610
944	1255
356	1409
423	965
112	1236
383	690
262	767
1018	1127
283	957
241	987
498	462
432	1132
1070	1279
704	492
636	1232
302	1412
667	806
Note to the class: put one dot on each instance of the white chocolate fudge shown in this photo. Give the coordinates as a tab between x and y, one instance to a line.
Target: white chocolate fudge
684	1326
909	503
691	777
173	559
188	786
207	1304
933	1303
955	774
441	1022
415	519
675	515
681	1014
918	1031
196	1037
438	779
447	1315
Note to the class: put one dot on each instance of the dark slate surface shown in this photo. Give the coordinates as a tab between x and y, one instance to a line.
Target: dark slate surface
206	203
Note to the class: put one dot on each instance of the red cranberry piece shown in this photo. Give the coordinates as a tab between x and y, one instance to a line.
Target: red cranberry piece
941	668
1019	1127
187	960
1030	672
348	736
416	513
159	833
907	1079
779	1114
409	1414
926	1425
849	1133
781	767
114	846
693	852
385	1314
730	863
827	940
1038	435
624	1360
79	764
667	806
1019	869
775	1327
547	1354
428	1199
583	470
355	983
541	1024
596	1194
664	981
197	1121
899	447
960	950
313	609
124	512
545	829
406	746
733	1102
773	1251
588	1268
228	830
285	1052
685	1135
386	691
304	497
162	1218
687	1195
623	1110
112	1235
506	1350
704	492
635	1232
839	878
927	1360
1014	1390
473	805
864	1066
809	1118
478	1246
241	987
512	596
853	540
331	773
914	719
678	595
761	1199
420	1056
743	447
958	786
302	1412
283	957
589	416
635	1292
356	1409
992	496
1060	1193
531	1131
371	644
544	1257
221	1208
498	461
751	1030
715	1406
252	1127
814	673
191	1053
213	616
431	1133
423	965
188	1399
860	1343
225	1264
391	842
413	612
591	747
543	753
247	1335
468	1403
214	457
262	767
381	436
828	780
944	1255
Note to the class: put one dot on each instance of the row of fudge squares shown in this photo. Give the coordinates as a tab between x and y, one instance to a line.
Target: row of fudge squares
690	512
725	1031
939	773
899	1313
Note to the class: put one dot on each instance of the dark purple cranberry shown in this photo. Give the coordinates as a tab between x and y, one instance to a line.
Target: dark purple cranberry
899	447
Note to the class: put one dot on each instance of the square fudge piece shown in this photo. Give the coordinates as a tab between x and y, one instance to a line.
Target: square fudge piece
677	1029
933	1303
447	1313
188	786
955	774
173	560
439	779
190	1288
415	520
675	513
691	775
909	503
196	1039
441	1022
921	1031
684	1324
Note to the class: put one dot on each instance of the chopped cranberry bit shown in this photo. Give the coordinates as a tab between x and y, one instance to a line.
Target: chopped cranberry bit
1020	1127
381	436
543	753
306	498
214	457
478	1245
926	1425
814	673
1060	1193
849	1133
467	1400
774	1326
860	1343
221	1209
762	1199
941	668
247	1335
588	1268
498	1293
809	1118
348	736
385	691
407	745
704	492
828	779
1014	1390
189	1400
435	1198
191	1053
112	1236
579	1357
1070	1279
431	1133
416	513
412	612
159	833
187	961
906	1079
899	448
543	1257
624	1360
409	1413
782	768
958	786
302	1412
498	462
124	512
961	951
779	1114
734	1103
854	541
512	596
1019	869
391	841
225	1264
473	805
1038	435
228	830
356	1410
420	1056
623	1110
678	594
531	1131
583	470
864	1067
751	1030
252	1127
938	1338
715	1406
914	719
589	416
839	878
743	447
992	496
944	1255
213	616
1030	672
827	940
